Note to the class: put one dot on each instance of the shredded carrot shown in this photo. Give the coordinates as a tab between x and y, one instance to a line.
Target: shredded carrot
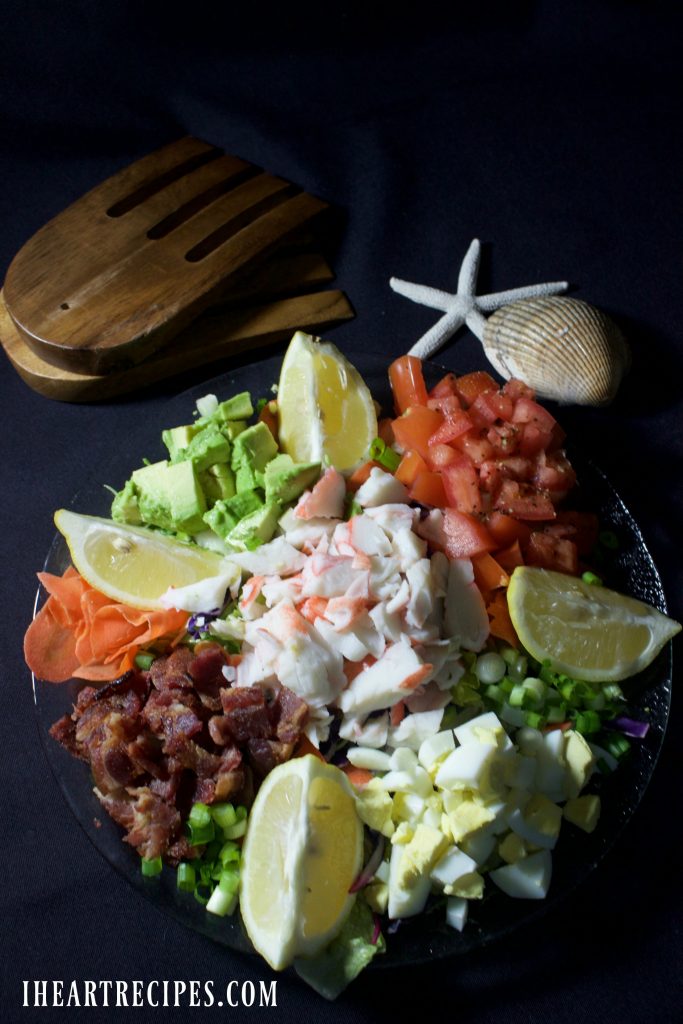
304	746
509	558
488	574
360	475
397	713
385	430
354	668
358	777
499	619
80	633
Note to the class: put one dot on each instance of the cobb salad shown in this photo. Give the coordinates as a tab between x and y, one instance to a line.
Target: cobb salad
260	617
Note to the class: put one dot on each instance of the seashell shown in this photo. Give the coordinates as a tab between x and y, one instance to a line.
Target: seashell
563	348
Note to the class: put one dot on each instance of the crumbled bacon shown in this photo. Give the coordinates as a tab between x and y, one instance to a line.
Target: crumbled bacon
161	740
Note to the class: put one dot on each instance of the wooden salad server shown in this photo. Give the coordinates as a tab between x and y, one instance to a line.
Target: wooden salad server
110	280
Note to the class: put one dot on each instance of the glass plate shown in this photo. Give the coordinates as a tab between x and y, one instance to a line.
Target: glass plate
425	937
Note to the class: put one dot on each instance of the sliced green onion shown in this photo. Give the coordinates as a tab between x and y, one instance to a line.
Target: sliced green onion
230	880
152	866
186	878
587	722
509	655
224	815
517	696
536	688
534	720
221	903
590	577
557	713
490	668
495	693
617	745
387	457
352	508
200	825
229	854
613	691
144	660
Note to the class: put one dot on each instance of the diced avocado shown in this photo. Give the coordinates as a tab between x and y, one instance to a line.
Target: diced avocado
252	451
217	482
286	480
232	428
226	514
220	520
169	496
256	528
238	407
124	507
154	502
205	449
246	479
243	503
178	438
187	499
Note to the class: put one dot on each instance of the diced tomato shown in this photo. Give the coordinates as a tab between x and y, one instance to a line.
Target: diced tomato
428	489
518	389
556	438
523	502
449	405
534	439
465	534
490	476
430	528
471	385
528	411
410	465
441	455
554	473
509	558
516	468
457	423
444	387
413	430
490	406
478	448
504	437
461	484
505	530
407	383
549	552
581	527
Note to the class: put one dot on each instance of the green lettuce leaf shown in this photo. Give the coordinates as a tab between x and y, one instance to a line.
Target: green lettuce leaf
338	964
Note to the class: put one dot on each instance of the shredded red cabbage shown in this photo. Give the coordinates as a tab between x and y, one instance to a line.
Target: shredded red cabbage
376	931
368	872
630	727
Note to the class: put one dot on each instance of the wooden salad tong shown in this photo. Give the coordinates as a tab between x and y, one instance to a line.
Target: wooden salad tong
123	277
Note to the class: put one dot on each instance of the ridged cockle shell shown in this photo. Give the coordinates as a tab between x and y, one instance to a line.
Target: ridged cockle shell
563	348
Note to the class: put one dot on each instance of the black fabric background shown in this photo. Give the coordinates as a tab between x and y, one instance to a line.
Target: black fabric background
551	131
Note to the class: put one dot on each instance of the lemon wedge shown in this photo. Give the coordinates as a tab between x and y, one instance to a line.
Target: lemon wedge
326	411
585	630
130	564
302	851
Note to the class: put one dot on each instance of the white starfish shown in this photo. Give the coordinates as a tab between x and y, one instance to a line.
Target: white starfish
465	307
